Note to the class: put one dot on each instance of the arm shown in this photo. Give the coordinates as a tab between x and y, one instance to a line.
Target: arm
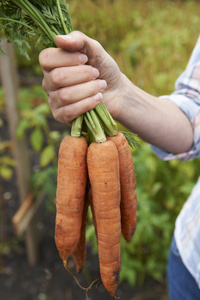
157	121
68	79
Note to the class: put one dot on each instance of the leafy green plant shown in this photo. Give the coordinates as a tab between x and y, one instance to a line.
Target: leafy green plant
6	161
45	180
41	139
22	20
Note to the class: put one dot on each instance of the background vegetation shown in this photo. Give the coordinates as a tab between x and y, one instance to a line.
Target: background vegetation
151	40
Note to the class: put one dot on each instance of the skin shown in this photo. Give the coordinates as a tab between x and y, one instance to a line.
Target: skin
80	73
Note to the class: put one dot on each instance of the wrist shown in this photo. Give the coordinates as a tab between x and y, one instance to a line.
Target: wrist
130	101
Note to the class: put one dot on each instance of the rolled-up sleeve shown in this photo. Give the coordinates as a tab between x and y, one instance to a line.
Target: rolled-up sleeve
187	98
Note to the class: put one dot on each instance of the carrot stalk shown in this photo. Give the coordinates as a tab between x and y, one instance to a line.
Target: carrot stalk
94	126
76	129
109	124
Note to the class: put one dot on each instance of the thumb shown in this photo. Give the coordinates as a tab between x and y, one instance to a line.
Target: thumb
77	41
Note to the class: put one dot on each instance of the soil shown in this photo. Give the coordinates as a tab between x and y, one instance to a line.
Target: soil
49	280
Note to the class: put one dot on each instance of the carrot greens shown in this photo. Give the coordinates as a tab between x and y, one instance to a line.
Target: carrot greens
23	20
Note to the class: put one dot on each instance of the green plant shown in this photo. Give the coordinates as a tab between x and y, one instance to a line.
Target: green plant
6	161
45	180
23	20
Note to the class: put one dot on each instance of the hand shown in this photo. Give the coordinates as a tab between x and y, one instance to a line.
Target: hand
78	75
75	87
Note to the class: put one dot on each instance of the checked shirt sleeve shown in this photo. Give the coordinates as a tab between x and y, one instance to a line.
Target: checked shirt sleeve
187	97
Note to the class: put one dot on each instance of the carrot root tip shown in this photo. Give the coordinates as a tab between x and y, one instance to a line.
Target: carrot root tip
83	288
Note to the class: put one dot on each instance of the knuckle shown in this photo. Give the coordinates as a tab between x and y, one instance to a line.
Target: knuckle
56	116
97	44
63	95
77	34
42	55
44	85
55	77
67	115
44	58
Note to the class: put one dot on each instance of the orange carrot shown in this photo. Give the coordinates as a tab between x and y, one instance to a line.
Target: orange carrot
79	253
71	186
128	186
103	170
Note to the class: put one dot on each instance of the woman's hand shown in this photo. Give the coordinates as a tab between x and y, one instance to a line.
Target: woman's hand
78	76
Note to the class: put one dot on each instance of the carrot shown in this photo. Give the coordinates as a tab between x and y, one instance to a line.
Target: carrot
79	253
128	186
71	186
103	170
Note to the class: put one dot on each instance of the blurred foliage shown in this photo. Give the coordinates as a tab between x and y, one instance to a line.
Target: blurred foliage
162	188
151	41
7	162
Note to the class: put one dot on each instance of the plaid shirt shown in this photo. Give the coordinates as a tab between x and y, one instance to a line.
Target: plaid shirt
187	228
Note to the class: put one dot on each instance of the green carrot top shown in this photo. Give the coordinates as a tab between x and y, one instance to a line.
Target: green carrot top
24	20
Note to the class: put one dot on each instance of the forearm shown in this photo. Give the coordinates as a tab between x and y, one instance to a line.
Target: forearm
156	121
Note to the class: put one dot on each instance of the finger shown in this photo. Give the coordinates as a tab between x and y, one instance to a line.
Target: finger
51	58
77	41
72	94
68	76
66	114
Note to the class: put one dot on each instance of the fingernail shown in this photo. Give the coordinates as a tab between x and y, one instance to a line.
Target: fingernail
95	72
102	84
65	37
83	58
98	97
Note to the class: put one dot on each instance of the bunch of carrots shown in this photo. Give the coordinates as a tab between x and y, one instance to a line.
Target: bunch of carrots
100	175
95	165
